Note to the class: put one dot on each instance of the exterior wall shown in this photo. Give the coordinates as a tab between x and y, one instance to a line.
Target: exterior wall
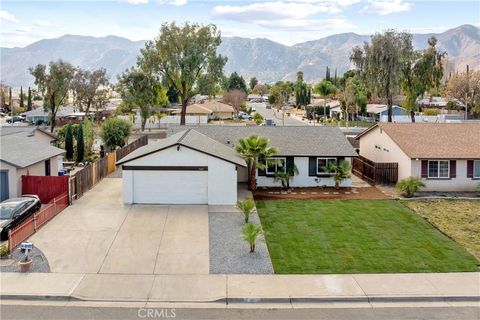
222	182
189	119
12	178
379	147
303	179
460	183
242	174
222	115
127	184
41	136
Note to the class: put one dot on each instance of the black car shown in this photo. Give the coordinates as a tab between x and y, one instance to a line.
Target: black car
14	211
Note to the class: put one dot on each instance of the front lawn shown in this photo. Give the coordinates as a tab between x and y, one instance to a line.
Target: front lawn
459	219
356	236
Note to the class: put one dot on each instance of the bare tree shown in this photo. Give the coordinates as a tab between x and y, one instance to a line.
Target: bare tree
235	98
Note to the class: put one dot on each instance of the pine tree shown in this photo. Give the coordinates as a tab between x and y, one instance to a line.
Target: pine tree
69	142
22	104
10	100
29	99
335	79
80	144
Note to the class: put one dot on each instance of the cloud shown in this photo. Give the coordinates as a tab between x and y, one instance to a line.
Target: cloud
173	2
6	16
137	1
384	7
42	23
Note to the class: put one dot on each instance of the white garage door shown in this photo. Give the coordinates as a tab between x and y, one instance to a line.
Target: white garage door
170	187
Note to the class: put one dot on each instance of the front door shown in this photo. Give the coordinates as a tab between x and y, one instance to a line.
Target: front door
4	193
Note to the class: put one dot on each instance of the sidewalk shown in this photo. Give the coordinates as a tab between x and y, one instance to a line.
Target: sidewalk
243	288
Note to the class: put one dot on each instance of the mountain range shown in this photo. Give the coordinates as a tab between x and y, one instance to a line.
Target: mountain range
269	61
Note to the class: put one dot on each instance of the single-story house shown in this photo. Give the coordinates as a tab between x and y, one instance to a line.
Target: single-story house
378	111
67	112
184	168
445	155
25	155
39	133
219	109
308	148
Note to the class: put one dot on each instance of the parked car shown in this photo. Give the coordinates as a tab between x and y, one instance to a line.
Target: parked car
15	119
16	210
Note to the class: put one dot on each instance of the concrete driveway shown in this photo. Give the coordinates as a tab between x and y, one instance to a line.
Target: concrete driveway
99	234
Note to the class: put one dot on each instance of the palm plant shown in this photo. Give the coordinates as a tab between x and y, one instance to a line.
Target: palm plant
340	171
252	149
409	186
250	233
246	206
285	177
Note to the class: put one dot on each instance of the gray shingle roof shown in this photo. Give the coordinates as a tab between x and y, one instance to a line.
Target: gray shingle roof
290	140
190	139
21	151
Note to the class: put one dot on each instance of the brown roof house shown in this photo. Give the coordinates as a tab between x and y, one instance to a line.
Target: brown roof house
445	155
219	109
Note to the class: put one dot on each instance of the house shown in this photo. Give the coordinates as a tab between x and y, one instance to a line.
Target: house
445	155
65	113
310	149
184	168
26	154
380	111
219	109
195	114
29	131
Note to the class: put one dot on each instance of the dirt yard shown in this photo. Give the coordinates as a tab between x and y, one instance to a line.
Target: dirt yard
276	193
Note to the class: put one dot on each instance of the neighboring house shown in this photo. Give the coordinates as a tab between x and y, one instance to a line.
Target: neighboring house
185	168
25	155
219	109
29	131
433	102
310	149
445	155
195	114
67	112
378	111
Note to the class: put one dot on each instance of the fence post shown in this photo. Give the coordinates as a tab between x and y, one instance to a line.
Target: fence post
10	241
35	222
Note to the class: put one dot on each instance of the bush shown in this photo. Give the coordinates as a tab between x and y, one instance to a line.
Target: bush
409	186
115	132
3	250
258	118
431	112
318	111
246	206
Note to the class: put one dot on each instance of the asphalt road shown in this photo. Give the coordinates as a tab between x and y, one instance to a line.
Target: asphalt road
276	116
27	312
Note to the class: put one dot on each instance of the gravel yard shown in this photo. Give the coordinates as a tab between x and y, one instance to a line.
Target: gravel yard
229	253
40	263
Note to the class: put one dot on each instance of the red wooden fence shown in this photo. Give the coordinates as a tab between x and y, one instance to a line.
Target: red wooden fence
28	227
46	187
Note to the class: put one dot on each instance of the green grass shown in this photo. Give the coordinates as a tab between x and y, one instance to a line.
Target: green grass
356	236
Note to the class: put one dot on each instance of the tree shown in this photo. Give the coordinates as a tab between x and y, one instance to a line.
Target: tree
260	89
409	186
340	171
250	233
465	87
285	177
302	96
235	98
325	89
80	144
91	89
141	90
22	103
253	82
115	132
181	54
69	142
420	72
354	97
54	85
254	150
29	100
236	82
327	74
88	135
379	63
246	207
258	118
206	85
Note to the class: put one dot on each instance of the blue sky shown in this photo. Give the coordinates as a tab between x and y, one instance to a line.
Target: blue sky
287	22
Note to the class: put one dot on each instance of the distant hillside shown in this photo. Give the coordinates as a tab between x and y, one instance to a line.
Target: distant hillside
267	60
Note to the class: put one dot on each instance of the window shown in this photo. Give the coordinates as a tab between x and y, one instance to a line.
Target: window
47	167
322	165
439	169
276	165
476	168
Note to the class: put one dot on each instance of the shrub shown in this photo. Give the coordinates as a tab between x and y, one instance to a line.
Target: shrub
80	144
250	233
3	250
409	186
69	142
258	118
431	112
246	206
115	132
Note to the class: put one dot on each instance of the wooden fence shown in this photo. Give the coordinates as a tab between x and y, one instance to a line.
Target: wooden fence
140	142
375	172
28	227
46	187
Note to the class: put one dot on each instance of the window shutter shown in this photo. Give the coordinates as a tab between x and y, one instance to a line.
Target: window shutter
312	166
453	168
290	163
469	168
262	172
424	168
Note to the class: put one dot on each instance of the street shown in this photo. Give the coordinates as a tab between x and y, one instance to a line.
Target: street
40	312
276	115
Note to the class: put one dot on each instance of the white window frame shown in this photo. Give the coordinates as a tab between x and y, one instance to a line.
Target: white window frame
319	172
282	168
438	169
475	164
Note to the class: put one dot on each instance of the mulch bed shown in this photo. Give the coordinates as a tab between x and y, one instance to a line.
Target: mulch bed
312	193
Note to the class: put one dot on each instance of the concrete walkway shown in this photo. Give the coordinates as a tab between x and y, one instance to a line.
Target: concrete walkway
438	287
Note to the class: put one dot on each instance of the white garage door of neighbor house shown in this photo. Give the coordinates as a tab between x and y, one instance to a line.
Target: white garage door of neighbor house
170	187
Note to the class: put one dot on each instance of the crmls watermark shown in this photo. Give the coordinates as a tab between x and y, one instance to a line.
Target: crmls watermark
149	313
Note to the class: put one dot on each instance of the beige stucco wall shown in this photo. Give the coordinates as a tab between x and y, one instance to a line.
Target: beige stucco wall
377	146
